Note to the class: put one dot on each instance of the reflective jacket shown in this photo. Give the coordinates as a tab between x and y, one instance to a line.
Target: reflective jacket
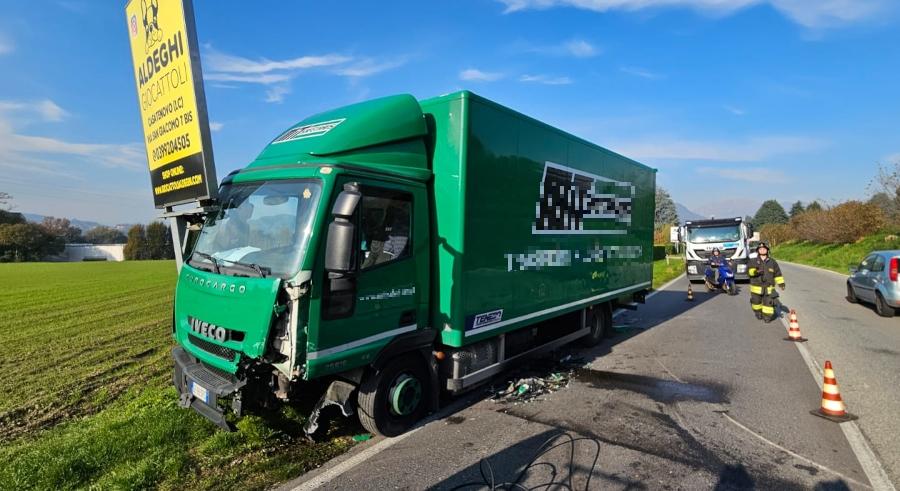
764	275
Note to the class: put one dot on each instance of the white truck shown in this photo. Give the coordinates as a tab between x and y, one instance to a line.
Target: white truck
699	237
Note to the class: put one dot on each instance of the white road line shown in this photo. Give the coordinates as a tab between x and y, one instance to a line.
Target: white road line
864	454
814	268
651	294
329	475
793	454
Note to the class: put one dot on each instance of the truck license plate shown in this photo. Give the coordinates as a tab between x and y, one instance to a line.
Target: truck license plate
200	392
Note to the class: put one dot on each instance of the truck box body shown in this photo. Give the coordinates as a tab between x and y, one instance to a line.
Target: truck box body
513	240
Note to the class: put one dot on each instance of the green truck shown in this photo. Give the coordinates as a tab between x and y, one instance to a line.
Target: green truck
379	255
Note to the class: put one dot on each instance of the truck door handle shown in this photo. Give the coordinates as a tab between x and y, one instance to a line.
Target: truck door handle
407	318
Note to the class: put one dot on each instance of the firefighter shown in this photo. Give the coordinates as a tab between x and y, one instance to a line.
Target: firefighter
765	275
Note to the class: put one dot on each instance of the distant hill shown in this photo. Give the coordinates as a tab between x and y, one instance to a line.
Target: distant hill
84	225
685	214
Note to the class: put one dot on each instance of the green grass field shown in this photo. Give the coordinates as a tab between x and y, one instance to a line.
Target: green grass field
86	376
836	257
664	273
87	397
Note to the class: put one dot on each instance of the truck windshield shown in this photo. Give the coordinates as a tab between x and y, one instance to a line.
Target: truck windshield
706	235
262	229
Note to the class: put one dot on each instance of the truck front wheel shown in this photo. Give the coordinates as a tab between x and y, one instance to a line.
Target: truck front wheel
394	398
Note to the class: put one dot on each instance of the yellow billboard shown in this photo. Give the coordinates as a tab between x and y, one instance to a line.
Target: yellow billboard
173	107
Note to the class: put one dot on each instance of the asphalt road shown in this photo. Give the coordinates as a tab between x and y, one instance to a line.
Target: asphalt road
863	348
689	395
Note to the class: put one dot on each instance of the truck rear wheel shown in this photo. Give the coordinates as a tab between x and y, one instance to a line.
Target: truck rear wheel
394	398
600	320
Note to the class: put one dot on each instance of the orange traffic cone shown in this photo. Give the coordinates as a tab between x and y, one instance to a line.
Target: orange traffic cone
832	406
690	297
794	329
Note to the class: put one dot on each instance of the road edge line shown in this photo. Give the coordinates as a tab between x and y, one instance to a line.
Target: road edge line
353	461
651	294
816	268
874	469
791	452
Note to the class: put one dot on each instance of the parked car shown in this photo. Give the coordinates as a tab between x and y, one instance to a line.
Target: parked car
875	280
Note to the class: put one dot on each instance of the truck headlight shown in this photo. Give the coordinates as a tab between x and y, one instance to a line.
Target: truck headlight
742	268
692	269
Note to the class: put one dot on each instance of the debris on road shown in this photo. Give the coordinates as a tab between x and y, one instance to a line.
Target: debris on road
362	437
529	388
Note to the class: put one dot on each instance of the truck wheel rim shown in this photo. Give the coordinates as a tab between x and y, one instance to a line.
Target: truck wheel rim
405	395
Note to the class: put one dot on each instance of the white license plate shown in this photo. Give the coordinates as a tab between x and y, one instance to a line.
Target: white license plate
200	392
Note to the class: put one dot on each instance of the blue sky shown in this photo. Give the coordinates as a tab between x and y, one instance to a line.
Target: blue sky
734	101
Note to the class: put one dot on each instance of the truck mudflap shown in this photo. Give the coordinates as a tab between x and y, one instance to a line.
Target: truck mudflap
200	388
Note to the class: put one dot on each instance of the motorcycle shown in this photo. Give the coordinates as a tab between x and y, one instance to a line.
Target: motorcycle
724	281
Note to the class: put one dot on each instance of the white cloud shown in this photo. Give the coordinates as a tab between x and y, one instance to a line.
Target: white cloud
545	79
226	70
46	110
641	72
476	75
749	174
217	61
20	149
276	94
578	48
734	110
215	126
264	79
368	67
51	112
808	13
752	149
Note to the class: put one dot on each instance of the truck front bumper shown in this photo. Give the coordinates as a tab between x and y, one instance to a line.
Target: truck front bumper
695	269
201	388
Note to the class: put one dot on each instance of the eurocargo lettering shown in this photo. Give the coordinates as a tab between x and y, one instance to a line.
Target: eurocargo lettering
396	249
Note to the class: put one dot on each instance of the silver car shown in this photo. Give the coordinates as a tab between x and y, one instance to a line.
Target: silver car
876	281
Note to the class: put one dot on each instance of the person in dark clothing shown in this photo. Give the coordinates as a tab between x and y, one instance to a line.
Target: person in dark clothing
765	275
715	260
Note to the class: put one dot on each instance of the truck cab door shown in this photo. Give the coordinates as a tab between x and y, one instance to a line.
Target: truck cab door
383	297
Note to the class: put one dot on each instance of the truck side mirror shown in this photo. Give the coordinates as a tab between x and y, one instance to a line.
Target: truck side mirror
341	232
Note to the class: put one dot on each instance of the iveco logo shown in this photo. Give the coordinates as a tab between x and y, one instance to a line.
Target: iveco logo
223	286
208	330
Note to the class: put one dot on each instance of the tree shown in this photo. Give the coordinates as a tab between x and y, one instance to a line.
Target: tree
11	218
7	216
889	206
666	212
796	209
104	235
770	212
159	241
814	206
27	242
61	227
136	247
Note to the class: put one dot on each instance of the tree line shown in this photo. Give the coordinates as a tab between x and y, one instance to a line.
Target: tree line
842	223
21	240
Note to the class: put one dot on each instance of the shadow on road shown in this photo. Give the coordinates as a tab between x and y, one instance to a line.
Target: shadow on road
549	460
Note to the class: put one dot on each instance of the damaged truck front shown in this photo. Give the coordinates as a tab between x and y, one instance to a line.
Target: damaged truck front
397	249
